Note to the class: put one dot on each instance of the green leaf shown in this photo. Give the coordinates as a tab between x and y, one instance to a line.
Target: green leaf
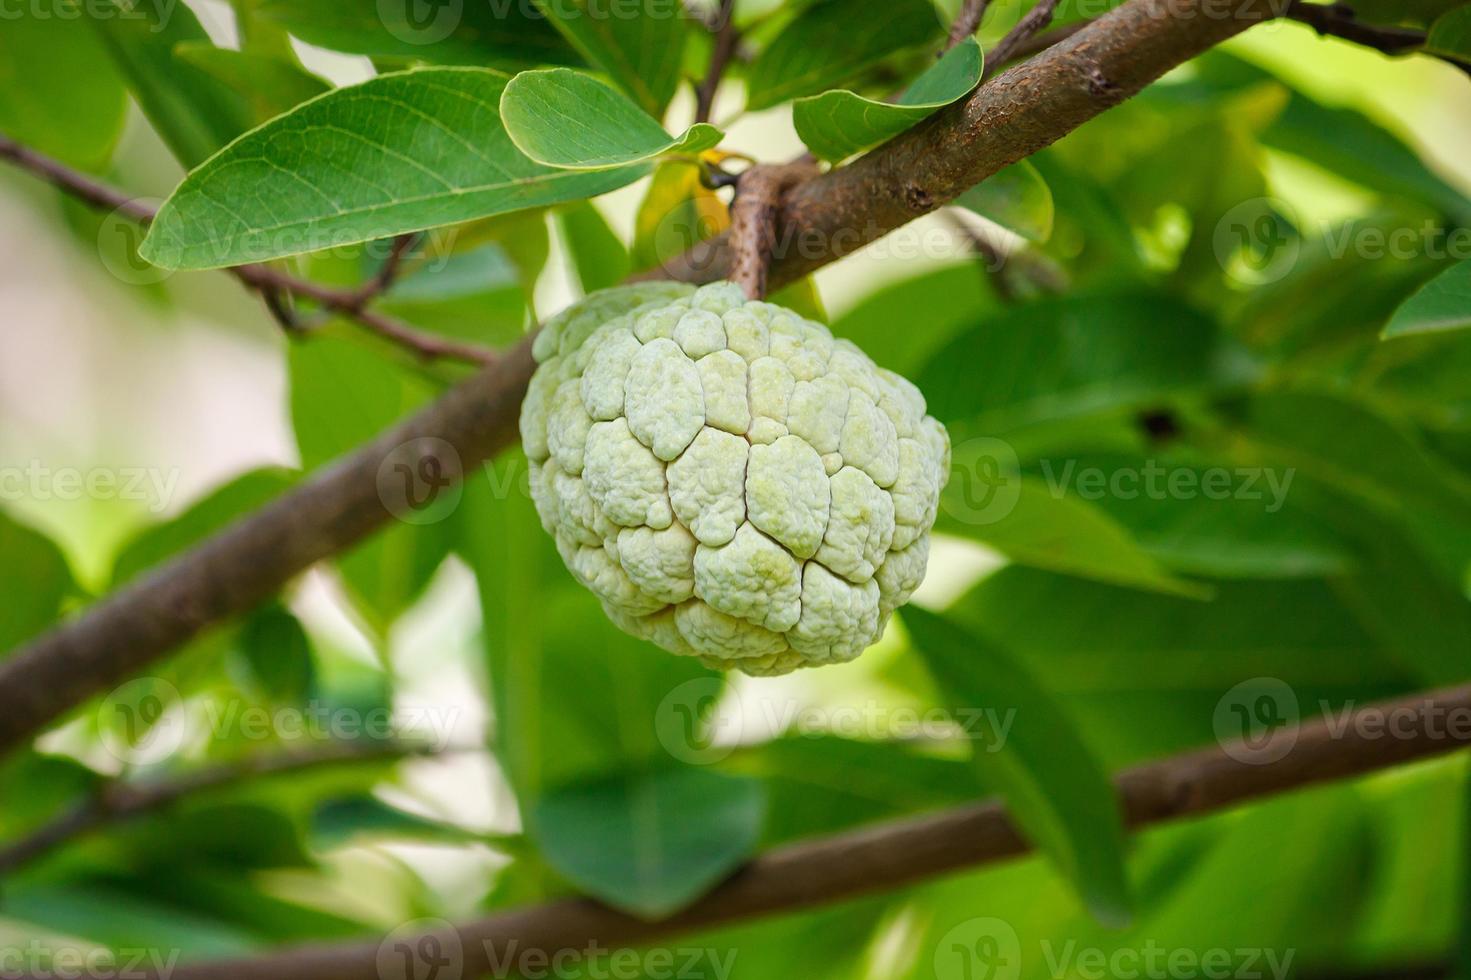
232	835
952	299
34	579
837	124
351	819
1072	356
1053	785
1342	140
397	153
832	41
343	393
1450	35
566	119
501	35
271	85
278	655
598	256
240	496
640	44
826	783
41	104
650	843
195	113
1220	521
1117	655
1019	516
1463	934
1360	452
1443	303
677	213
110	915
1016	198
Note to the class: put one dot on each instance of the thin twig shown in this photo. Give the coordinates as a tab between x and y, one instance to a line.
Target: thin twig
885	856
1337	20
76	184
726	39
1033	45
382	280
1032	22
264	279
753	215
116	802
990	258
351	303
967	22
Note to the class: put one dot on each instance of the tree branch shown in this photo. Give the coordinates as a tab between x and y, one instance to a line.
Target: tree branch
1032	22
967	22
1337	20
753	215
821	220
1018	113
116	802
75	183
238	568
903	852
726	39
269	282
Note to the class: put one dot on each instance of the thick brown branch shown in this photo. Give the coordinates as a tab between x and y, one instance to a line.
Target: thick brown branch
252	559
887	856
1019	112
822	219
753	216
119	801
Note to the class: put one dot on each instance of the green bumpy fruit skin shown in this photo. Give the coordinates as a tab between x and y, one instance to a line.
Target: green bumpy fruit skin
732	482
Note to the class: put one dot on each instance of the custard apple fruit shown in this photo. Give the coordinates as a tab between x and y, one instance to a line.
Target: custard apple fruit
732	482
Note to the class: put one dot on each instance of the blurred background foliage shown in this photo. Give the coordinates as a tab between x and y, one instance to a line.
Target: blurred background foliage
1196	281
